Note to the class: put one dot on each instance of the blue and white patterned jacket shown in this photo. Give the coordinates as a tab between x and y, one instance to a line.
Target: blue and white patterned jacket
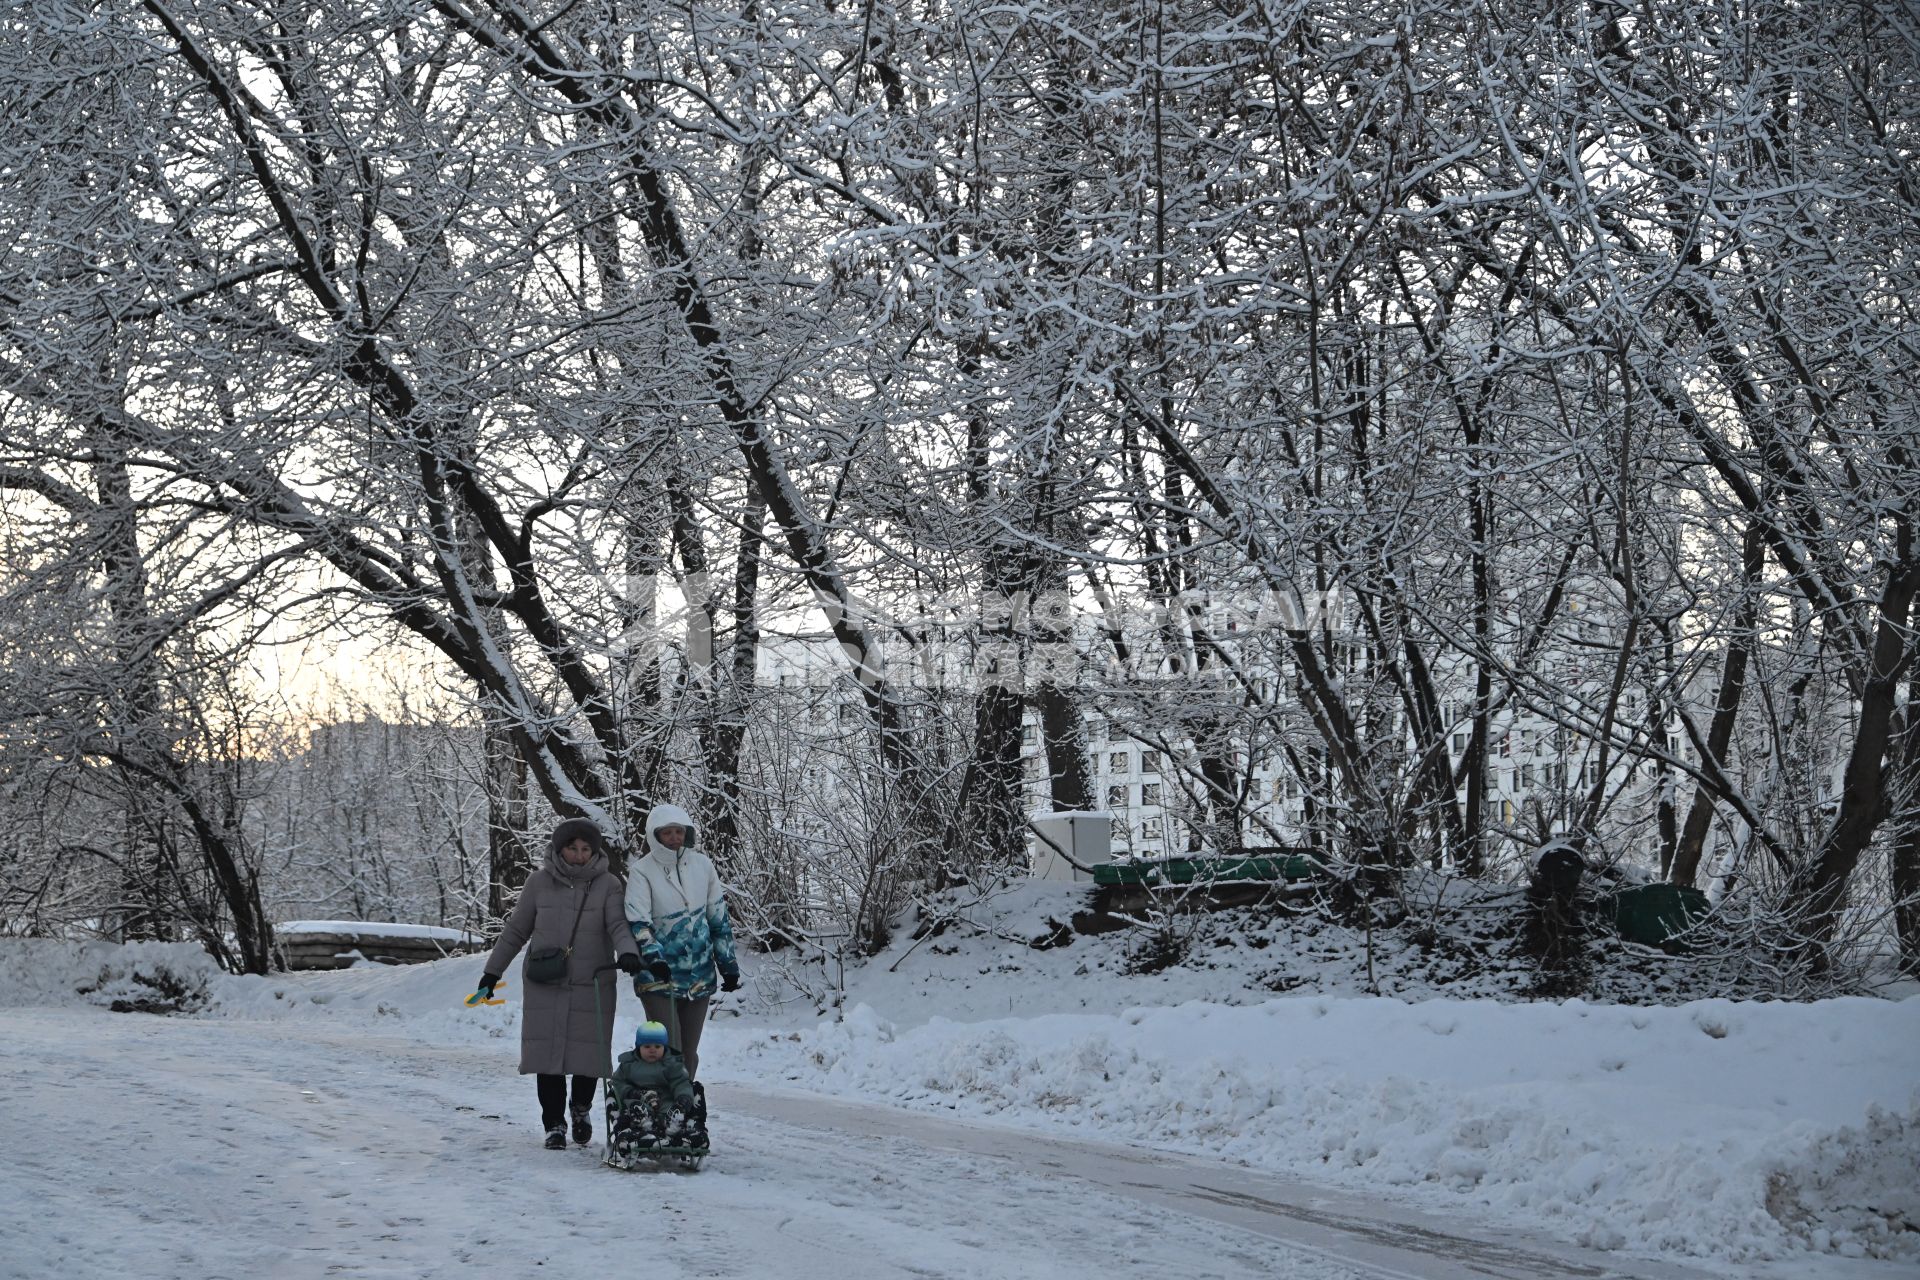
677	909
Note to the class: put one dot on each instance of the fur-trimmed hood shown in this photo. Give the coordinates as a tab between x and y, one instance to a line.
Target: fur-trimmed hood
565	834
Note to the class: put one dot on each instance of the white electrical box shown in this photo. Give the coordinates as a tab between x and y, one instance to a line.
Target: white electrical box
1067	846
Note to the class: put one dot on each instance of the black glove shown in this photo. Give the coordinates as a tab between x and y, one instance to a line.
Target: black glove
729	982
629	963
660	971
488	981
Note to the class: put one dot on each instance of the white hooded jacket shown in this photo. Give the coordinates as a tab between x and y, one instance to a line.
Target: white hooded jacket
677	908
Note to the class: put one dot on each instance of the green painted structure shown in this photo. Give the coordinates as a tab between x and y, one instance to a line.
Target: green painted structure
1228	869
1653	914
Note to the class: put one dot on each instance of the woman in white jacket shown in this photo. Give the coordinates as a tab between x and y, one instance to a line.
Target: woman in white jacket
677	909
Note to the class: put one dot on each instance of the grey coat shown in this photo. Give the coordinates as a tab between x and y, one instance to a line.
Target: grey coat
558	1034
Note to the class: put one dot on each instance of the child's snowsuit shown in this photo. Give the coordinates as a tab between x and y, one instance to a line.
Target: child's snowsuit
639	1113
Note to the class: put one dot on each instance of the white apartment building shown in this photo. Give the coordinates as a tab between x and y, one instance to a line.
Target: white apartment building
1146	776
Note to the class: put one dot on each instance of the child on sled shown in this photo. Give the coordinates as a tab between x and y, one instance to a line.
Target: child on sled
651	1102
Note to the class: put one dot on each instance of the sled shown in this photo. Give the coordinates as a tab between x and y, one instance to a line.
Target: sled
642	1159
626	1152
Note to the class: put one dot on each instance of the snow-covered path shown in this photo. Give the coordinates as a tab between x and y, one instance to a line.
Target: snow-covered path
154	1147
1370	1237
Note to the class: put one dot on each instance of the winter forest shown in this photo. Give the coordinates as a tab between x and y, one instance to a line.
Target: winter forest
1419	434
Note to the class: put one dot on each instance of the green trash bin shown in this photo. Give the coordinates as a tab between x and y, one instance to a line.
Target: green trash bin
1652	914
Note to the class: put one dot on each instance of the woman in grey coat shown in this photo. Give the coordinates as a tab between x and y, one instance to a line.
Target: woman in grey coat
572	903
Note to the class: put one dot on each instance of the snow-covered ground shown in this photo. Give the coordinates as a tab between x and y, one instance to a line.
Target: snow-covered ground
220	1149
1729	1138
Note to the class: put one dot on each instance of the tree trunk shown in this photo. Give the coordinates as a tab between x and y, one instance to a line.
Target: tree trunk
729	731
1665	786
1726	709
135	698
1056	674
1818	892
1905	853
505	780
996	818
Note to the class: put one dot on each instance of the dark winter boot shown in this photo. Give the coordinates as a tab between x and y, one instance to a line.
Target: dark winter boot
557	1138
696	1135
582	1125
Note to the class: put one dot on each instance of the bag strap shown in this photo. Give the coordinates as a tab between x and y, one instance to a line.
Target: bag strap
574	933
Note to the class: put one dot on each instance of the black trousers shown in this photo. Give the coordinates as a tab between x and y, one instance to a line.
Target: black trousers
553	1096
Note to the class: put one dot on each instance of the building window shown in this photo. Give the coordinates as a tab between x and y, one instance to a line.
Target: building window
1116	797
1026	734
1149	762
1117	762
1253	790
1526	775
1459	744
1150	828
1150	793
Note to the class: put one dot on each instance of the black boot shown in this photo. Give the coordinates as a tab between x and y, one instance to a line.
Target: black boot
697	1118
557	1138
582	1125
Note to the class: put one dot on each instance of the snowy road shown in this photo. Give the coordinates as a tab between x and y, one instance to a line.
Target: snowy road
194	1149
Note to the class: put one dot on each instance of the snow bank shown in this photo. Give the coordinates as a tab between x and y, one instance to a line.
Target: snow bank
1733	1131
155	976
424	1000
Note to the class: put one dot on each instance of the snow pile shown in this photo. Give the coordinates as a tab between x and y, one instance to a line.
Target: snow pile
421	1000
155	977
1735	1131
1856	1190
